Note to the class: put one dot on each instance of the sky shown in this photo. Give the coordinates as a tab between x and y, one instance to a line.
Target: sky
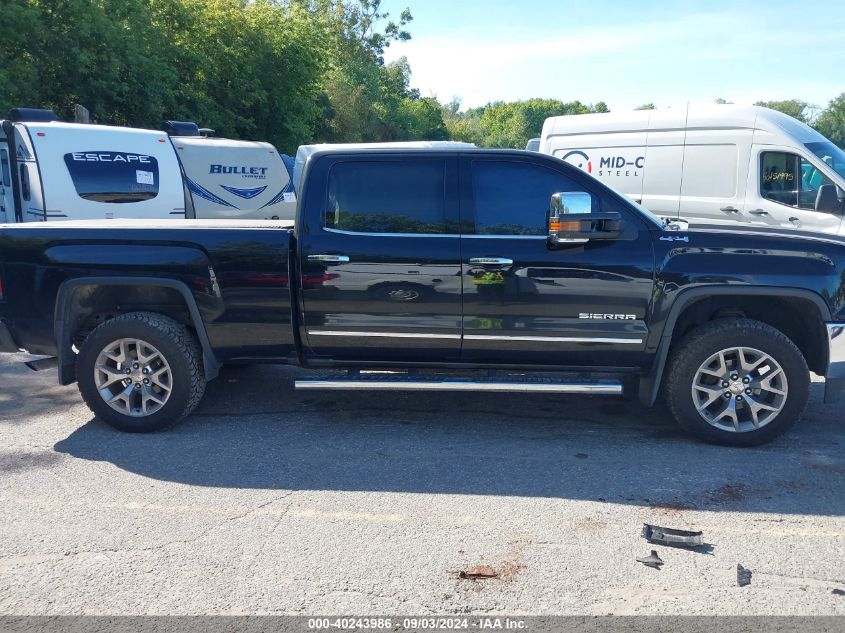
624	53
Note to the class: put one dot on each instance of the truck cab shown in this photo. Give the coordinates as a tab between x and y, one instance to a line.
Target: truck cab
447	259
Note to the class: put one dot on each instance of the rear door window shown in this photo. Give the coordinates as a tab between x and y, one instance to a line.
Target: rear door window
401	197
113	177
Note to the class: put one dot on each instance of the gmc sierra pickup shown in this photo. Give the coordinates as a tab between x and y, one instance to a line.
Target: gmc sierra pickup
437	269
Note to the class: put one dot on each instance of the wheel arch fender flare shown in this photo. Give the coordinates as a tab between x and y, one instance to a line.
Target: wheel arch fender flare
650	383
64	302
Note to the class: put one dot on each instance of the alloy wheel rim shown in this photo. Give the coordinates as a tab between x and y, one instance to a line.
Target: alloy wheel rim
133	377
739	389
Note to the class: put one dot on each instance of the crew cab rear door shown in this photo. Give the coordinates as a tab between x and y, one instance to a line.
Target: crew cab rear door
380	272
525	303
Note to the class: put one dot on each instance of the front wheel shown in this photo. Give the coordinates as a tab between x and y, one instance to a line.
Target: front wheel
140	372
737	382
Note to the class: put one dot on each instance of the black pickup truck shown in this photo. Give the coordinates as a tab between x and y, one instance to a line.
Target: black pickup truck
437	269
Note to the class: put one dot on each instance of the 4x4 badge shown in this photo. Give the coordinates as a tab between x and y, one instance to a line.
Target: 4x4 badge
675	238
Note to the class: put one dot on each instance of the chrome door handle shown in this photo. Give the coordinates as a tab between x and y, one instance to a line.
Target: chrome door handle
329	259
491	261
729	209
759	212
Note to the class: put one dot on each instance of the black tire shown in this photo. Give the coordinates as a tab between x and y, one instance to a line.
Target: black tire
697	346
173	341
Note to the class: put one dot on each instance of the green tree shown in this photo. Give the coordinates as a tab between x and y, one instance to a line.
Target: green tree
502	124
252	69
20	76
363	99
248	68
423	120
831	121
646	106
106	54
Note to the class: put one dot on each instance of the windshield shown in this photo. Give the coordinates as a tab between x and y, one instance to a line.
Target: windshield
831	155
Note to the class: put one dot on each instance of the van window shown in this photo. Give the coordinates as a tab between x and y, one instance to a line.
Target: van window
790	180
830	155
113	177
387	197
512	198
5	168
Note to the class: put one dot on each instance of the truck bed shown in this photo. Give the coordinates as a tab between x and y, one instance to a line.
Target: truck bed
234	276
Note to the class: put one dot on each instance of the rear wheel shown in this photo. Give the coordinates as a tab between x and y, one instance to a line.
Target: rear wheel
140	372
737	382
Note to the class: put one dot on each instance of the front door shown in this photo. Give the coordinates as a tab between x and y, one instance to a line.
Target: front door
380	259
524	303
784	190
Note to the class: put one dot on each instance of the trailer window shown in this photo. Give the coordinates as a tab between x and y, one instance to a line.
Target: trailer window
25	191
387	197
113	177
5	168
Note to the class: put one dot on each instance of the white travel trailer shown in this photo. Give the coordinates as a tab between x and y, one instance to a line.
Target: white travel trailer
710	164
54	171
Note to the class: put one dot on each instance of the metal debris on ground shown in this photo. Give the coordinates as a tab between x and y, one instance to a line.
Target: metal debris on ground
653	560
478	572
743	576
670	536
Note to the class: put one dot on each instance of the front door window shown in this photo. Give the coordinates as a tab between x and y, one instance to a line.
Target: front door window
790	180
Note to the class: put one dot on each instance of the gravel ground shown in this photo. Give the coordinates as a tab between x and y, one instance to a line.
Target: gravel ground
271	501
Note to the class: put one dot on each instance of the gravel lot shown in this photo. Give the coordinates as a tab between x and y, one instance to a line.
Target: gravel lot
271	501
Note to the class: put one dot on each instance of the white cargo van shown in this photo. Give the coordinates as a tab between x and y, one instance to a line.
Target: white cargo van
51	170
710	164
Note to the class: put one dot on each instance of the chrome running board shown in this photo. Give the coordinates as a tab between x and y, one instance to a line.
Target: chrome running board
400	382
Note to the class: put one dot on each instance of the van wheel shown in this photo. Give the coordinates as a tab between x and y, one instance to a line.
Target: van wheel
140	372
737	382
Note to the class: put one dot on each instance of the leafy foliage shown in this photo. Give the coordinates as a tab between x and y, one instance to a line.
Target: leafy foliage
831	122
287	71
501	124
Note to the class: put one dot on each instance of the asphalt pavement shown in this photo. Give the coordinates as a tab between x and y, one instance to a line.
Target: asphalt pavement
272	501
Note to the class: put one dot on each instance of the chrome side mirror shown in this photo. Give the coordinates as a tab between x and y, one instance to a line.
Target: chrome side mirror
574	219
566	212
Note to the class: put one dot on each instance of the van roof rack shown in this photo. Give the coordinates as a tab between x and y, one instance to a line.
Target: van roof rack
181	128
32	115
